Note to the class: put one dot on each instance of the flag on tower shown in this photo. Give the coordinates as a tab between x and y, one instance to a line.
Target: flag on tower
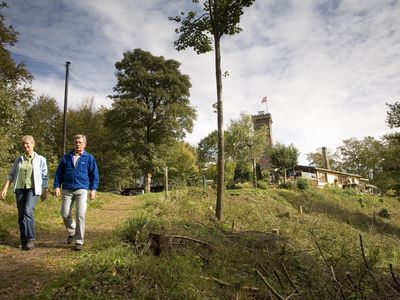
264	99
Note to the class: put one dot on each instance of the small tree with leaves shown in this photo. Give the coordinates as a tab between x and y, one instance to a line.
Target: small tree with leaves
244	144
200	29
284	157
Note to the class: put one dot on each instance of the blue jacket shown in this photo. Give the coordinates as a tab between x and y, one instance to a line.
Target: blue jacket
85	175
39	165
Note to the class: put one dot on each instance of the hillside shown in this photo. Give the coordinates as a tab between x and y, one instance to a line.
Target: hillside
272	244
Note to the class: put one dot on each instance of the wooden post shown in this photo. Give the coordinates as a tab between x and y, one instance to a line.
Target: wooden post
166	183
65	107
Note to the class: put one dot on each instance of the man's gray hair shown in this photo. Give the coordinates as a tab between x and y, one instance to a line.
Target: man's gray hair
80	136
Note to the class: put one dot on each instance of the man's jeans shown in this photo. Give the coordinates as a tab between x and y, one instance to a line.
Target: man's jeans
77	228
26	202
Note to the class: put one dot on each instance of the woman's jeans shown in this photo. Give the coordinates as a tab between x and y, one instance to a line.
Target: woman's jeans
77	229
26	202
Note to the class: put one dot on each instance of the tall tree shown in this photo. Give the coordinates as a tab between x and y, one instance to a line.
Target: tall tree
284	157
115	173
244	144
88	120
393	115
201	29
181	162
151	108
389	178
361	156
15	90
43	121
207	150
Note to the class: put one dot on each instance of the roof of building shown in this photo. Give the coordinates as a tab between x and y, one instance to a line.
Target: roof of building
313	169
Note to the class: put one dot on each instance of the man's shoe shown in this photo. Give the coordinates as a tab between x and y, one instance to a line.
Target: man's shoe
28	246
70	239
77	247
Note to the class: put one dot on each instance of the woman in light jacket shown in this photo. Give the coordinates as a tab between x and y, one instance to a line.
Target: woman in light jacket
29	177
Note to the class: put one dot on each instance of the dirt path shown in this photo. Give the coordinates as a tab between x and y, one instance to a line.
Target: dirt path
23	272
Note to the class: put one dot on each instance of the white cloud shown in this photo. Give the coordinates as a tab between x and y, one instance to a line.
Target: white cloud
327	67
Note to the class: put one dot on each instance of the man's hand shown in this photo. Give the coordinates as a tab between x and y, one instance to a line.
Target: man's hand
92	194
58	192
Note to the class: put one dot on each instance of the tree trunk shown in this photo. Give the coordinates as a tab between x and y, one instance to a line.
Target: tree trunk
166	182
254	166
221	159
147	182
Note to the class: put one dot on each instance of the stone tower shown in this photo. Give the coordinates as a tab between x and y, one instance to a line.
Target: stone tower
259	120
262	119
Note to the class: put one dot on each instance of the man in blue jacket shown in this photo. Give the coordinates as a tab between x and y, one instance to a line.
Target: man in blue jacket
76	173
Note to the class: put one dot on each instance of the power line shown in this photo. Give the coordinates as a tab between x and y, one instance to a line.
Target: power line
88	85
60	64
37	59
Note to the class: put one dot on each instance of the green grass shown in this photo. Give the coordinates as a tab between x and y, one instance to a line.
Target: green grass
317	254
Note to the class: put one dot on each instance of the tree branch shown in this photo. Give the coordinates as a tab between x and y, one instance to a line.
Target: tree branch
270	286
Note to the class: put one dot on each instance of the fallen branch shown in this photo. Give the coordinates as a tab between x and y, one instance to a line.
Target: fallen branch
348	276
372	274
363	252
337	282
270	286
394	277
285	271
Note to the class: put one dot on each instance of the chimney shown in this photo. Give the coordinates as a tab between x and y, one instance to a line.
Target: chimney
325	159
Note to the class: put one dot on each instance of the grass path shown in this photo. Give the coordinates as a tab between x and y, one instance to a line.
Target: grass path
23	272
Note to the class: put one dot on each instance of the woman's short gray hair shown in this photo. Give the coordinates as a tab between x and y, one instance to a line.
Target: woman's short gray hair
28	138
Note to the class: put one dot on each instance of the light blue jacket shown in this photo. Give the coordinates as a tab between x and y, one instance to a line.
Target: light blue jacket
39	170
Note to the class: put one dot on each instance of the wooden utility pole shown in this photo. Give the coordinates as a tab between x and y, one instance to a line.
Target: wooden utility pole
65	107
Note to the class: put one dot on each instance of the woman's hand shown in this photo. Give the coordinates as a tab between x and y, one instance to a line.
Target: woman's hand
3	194
4	191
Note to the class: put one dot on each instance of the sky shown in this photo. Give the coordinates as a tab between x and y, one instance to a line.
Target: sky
327	67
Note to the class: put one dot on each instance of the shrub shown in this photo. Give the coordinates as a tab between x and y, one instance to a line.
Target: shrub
263	185
244	185
288	185
390	193
302	184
